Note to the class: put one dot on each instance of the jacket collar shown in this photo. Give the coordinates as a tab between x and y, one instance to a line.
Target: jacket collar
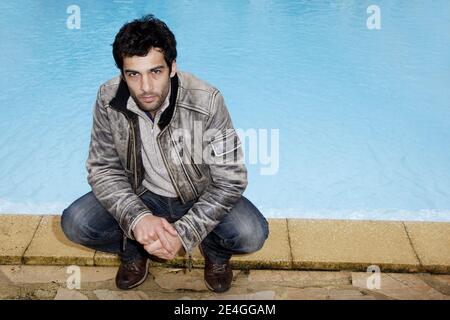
119	102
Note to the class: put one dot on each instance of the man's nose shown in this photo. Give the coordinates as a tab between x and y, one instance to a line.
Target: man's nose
146	84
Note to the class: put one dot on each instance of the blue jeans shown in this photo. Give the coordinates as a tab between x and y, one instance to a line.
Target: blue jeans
86	222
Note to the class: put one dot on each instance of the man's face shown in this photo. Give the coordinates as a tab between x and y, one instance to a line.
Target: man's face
148	79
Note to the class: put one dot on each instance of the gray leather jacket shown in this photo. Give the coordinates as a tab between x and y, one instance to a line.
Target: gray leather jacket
115	166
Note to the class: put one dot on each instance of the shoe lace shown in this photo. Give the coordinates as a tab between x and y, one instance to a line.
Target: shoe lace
218	268
131	266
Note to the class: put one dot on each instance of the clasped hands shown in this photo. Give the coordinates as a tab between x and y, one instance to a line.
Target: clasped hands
158	237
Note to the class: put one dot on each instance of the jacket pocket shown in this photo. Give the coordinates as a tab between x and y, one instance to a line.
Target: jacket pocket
185	151
225	144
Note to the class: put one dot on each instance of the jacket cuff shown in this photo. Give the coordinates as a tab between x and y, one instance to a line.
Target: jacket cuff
188	235
141	215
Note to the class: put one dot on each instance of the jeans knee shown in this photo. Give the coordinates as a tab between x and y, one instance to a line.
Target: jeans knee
69	226
255	241
249	238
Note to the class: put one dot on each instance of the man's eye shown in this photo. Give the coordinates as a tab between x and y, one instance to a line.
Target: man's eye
132	74
157	71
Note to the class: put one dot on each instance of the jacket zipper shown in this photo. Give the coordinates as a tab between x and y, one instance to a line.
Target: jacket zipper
168	169
182	166
132	141
129	155
134	158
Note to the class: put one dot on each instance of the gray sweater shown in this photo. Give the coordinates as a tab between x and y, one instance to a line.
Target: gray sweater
156	177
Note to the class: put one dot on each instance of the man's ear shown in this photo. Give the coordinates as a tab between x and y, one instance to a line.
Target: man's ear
174	69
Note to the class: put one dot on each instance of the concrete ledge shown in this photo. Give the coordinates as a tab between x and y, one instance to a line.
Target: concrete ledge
51	247
292	244
431	241
16	233
351	245
103	259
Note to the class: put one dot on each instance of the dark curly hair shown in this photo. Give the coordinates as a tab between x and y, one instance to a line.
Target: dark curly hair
136	38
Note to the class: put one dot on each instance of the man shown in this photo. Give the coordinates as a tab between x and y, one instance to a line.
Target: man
165	167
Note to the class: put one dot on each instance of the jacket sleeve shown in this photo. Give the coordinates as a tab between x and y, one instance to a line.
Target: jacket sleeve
228	179
106	175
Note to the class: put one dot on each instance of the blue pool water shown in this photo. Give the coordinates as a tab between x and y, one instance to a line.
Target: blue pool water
363	115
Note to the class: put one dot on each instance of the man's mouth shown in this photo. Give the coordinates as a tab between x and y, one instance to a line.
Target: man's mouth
148	99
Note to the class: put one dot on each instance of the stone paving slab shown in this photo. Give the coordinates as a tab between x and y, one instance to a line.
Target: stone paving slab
67	294
176	278
439	282
120	295
301	279
348	294
303	294
49	282
260	295
16	232
26	274
431	241
8	289
351	245
51	247
399	286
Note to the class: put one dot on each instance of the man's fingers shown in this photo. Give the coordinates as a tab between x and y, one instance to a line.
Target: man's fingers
164	242
156	245
169	228
146	240
160	253
145	237
163	254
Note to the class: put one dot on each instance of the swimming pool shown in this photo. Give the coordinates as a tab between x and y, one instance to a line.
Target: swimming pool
363	116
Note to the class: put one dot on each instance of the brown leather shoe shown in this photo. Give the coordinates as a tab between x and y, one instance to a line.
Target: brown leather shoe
131	274
218	276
